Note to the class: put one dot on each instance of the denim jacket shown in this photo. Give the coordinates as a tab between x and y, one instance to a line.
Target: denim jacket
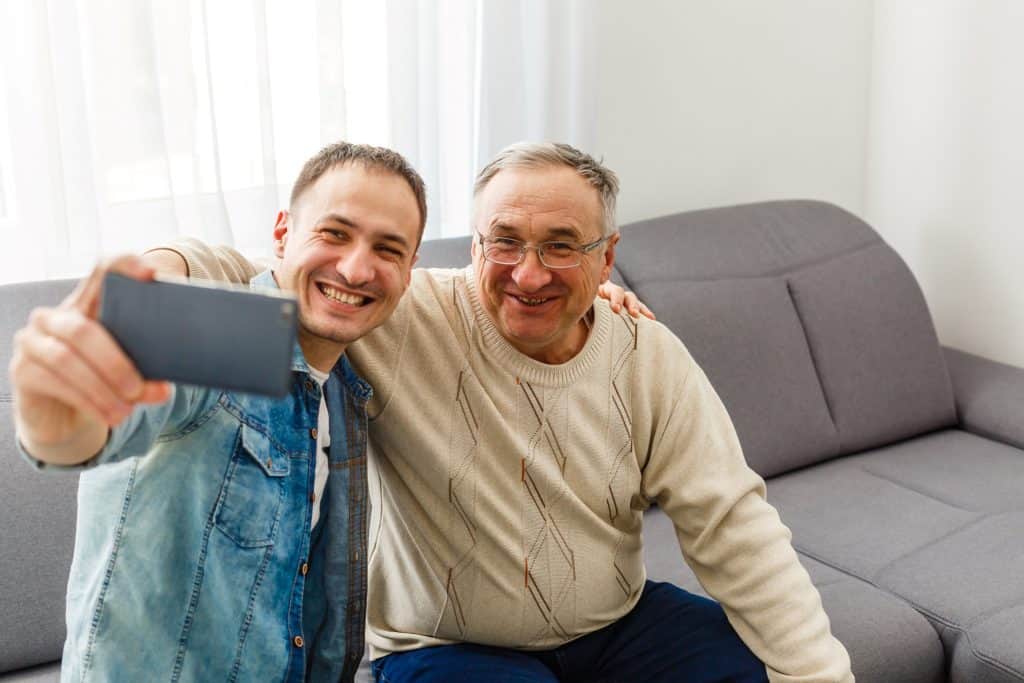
193	555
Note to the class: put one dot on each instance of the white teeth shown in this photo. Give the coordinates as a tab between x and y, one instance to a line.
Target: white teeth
531	302
342	297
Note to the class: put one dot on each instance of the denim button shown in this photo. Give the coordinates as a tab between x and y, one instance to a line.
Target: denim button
309	385
312	432
298	641
305	568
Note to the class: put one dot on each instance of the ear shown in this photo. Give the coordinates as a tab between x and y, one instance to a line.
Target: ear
609	258
281	232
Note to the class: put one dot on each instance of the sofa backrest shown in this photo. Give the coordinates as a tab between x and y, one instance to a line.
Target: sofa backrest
37	532
811	328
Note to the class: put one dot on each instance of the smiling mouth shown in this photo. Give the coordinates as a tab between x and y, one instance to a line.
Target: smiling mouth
343	297
531	301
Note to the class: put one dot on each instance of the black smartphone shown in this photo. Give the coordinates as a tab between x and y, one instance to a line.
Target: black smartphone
207	334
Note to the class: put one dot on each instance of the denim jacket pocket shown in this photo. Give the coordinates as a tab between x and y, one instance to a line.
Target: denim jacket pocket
253	492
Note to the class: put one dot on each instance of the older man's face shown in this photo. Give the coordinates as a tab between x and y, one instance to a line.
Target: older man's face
539	310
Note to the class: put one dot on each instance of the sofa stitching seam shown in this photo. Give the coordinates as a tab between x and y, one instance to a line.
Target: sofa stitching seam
982	517
990	660
815	366
850	573
926	494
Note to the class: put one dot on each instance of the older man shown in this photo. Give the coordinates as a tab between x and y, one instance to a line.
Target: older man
518	431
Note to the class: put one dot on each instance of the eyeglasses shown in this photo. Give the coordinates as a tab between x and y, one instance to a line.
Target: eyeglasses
556	254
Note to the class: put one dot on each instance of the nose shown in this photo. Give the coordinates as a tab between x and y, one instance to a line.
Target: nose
530	274
356	265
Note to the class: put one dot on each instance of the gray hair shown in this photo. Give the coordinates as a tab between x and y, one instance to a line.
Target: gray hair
539	154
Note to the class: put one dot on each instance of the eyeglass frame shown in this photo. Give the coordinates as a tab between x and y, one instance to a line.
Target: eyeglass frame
582	250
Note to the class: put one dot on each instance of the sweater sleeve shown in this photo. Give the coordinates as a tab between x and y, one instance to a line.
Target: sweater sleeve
731	537
207	262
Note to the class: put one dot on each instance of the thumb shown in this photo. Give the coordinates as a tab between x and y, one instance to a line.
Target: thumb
86	296
155	392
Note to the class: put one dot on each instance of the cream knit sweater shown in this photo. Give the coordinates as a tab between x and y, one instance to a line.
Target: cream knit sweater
508	494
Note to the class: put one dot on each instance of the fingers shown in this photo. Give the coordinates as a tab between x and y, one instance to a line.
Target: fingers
74	366
48	404
637	308
613	293
90	343
86	296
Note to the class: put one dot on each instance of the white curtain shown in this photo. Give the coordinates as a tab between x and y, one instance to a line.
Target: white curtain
124	123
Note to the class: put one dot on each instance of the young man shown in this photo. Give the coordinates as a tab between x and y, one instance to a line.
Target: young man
222	536
511	464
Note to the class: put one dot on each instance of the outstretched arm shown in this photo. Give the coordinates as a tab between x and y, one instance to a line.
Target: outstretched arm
71	381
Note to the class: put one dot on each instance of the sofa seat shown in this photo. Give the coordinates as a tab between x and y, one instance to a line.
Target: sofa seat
937	521
886	638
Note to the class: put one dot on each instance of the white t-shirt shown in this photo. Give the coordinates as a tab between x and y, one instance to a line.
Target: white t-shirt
323	440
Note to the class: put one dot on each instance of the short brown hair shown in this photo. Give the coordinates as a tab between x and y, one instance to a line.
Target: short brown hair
376	158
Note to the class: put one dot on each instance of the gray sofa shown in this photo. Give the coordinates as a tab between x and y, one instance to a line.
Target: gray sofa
897	463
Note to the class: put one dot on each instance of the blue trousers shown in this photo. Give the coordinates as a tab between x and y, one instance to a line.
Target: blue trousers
671	635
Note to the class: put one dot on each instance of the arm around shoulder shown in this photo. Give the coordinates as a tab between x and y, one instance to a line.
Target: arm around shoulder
196	259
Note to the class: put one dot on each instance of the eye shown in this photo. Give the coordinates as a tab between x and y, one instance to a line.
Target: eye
559	248
391	251
333	234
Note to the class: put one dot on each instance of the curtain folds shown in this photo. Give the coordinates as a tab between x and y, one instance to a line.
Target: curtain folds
124	123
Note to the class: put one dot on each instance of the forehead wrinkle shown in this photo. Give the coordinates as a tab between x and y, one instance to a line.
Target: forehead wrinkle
552	223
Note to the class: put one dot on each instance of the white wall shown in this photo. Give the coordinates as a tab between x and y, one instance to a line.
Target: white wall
709	103
946	151
906	112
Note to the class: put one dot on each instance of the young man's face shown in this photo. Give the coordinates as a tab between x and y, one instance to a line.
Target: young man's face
537	309
347	251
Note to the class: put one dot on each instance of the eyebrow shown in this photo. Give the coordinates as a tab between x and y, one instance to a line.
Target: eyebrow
553	234
396	237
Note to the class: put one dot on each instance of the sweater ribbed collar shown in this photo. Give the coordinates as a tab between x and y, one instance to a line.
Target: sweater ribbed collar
496	347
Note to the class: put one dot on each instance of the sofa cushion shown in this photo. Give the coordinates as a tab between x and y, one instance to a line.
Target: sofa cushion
887	640
752	240
968	576
866	513
991	649
48	673
38	531
875	348
970	585
935	520
746	336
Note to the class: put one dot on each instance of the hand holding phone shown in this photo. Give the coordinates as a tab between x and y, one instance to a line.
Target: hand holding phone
219	336
70	380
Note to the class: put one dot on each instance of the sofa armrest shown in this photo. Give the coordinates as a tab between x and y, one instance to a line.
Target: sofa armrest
989	396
